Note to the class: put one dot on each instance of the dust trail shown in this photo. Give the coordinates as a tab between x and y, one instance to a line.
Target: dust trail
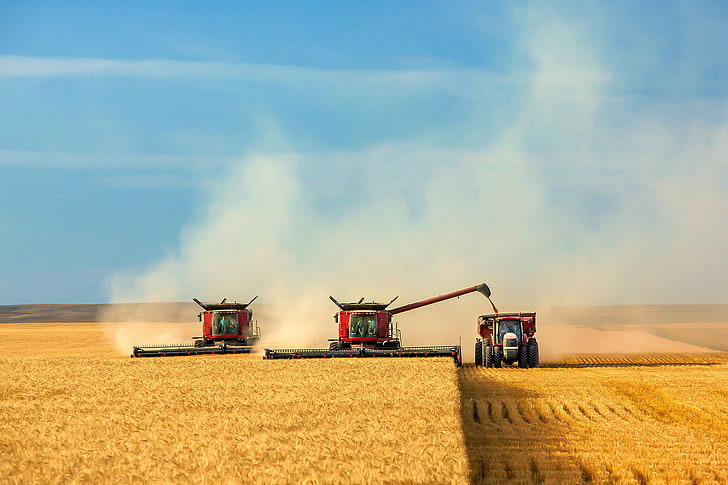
561	206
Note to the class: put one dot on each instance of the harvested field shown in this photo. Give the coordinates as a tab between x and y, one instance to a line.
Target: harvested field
599	419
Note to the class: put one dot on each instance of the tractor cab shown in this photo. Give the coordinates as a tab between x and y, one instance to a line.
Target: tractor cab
509	333
227	322
364	325
504	327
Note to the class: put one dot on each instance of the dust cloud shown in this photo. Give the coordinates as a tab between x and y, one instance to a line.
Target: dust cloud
129	324
556	205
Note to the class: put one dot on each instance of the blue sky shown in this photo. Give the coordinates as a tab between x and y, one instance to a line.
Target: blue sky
561	151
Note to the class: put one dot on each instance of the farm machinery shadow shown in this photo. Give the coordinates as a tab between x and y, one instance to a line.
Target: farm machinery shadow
525	427
505	441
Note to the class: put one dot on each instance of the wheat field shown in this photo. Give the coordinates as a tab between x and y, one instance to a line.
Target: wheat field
73	410
102	418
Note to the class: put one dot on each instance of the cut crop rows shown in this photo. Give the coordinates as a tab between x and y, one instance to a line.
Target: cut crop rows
631	424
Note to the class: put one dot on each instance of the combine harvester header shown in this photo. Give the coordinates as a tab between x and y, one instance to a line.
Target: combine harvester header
366	330
227	328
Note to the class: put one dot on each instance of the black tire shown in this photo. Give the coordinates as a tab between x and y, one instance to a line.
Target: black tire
242	342
488	355
199	343
391	344
335	345
523	356
532	353
478	353
497	356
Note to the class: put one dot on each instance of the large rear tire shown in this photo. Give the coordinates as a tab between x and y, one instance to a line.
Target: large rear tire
488	355
533	353
478	353
523	356
497	356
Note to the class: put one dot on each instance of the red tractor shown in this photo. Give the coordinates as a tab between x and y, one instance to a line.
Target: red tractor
507	338
227	328
366	330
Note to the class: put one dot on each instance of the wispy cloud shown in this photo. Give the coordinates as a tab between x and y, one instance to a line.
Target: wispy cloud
10	158
53	67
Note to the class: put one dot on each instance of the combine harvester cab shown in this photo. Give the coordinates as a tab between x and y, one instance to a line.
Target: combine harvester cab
507	338
227	328
366	330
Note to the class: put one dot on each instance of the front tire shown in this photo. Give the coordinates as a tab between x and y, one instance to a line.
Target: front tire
497	356
533	357
336	346
523	356
478	353
488	355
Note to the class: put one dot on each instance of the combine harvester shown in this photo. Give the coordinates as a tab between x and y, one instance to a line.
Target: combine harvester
227	328
366	330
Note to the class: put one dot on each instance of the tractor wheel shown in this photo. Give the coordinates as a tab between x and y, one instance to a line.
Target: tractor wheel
478	353
488	355
523	356
391	344
199	343
335	345
497	356
532	353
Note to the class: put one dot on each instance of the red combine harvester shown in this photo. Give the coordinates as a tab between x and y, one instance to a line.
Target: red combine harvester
366	330
227	328
507	338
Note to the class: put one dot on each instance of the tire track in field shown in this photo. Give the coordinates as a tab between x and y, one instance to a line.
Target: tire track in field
573	425
500	427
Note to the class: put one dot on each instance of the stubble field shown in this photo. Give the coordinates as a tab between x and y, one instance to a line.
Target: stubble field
656	419
74	411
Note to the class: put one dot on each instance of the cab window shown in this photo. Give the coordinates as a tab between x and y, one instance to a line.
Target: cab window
362	325
225	323
509	326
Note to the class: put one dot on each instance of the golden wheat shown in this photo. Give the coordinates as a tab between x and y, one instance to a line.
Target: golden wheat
74	411
221	419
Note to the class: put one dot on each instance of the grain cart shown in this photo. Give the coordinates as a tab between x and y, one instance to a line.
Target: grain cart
506	337
366	330
227	328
